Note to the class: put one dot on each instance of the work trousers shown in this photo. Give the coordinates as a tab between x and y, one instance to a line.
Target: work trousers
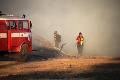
57	44
80	48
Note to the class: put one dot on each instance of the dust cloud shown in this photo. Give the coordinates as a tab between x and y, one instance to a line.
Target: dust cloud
98	20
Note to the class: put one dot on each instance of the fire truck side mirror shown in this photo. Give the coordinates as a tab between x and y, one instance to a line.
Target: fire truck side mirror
30	24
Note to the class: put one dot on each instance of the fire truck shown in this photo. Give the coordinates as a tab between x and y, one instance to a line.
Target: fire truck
15	36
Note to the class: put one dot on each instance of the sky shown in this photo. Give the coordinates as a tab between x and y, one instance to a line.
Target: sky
98	20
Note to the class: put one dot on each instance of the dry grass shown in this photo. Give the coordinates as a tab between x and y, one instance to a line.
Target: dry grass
84	68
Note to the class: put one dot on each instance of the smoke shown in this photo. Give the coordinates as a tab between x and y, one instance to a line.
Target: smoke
98	20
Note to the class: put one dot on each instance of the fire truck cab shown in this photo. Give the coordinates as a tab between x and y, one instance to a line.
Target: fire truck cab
15	36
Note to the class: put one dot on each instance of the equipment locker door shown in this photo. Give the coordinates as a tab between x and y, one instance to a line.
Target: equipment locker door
3	36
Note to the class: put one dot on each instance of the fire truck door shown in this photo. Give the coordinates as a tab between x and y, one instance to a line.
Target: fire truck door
3	36
14	34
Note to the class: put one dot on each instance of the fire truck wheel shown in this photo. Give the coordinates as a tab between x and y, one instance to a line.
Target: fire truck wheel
23	54
2	53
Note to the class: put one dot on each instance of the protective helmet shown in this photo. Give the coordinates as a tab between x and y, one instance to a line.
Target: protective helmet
55	32
80	33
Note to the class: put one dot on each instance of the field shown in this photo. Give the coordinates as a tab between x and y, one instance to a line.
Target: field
62	68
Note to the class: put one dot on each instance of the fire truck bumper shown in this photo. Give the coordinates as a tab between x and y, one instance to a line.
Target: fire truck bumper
15	49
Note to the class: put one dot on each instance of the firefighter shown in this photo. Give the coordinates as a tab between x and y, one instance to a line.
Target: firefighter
57	39
80	40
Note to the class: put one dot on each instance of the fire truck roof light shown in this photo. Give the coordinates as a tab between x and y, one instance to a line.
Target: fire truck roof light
10	15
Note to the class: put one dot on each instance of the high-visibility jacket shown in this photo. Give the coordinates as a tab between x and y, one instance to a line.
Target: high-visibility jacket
80	39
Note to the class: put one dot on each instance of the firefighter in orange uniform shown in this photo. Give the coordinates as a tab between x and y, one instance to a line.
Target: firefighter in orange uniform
80	40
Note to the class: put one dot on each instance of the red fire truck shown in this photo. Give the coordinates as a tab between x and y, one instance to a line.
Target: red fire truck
15	36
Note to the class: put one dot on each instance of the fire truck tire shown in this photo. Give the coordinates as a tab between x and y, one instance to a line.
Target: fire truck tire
23	54
3	53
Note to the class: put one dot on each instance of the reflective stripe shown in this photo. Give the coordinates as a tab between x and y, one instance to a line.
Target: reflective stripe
82	39
25	34
14	34
3	35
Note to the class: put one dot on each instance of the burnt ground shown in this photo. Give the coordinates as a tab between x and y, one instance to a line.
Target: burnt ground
51	67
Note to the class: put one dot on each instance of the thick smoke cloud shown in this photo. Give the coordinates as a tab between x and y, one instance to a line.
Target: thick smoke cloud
98	20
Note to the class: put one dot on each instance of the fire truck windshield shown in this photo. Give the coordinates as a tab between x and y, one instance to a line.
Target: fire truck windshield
25	24
7	25
13	25
20	24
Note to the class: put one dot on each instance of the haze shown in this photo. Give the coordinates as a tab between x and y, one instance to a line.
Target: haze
98	20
